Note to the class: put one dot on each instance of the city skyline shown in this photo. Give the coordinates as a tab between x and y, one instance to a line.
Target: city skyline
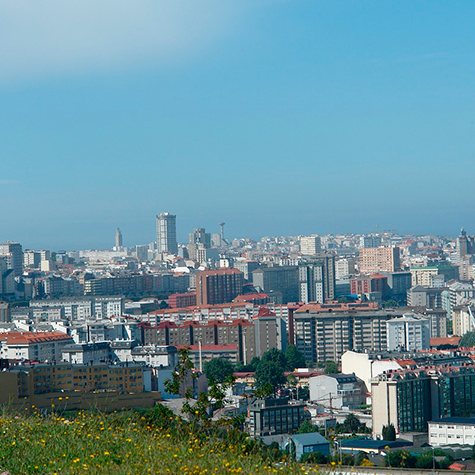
276	117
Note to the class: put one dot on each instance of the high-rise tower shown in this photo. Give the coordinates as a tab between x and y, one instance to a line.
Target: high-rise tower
118	238
166	233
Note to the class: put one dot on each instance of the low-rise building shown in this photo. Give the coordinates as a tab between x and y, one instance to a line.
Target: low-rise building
274	416
338	390
33	346
452	431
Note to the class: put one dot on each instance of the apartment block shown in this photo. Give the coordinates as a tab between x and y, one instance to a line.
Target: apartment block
218	286
373	260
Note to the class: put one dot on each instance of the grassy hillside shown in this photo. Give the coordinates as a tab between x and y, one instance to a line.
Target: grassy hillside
127	442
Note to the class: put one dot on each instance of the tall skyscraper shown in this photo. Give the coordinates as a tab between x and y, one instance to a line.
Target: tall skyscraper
14	254
166	233
118	238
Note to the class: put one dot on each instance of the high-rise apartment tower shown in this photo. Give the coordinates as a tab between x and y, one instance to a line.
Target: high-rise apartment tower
166	233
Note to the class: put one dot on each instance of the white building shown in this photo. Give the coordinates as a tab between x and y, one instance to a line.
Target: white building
33	346
365	366
344	268
409	333
310	245
452	431
84	308
337	390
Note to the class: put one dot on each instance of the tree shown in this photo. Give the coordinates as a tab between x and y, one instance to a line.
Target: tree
270	372
467	340
389	432
294	359
314	457
218	369
198	410
400	458
351	423
306	428
330	367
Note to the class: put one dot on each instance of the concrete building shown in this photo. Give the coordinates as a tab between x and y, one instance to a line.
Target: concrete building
166	233
218	286
33	346
14	255
282	282
339	391
310	245
302	444
408	333
425	275
274	416
366	366
452	431
373	260
344	267
246	266
371	240
84	308
326	336
317	279
118	239
270	332
410	399
419	296
5	314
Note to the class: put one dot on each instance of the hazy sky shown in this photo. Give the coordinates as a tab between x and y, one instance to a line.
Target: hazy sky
277	117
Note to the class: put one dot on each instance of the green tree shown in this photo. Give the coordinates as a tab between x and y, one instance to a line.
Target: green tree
306	428
467	340
389	432
400	458
314	457
218	369
269	374
294	359
351	423
330	367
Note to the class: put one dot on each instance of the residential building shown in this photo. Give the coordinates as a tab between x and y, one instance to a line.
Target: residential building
270	332
279	281
408	333
344	267
373	260
310	245
14	254
419	296
33	346
5	314
317	279
326	336
187	299
425	275
366	366
247	267
338	391
166	233
218	286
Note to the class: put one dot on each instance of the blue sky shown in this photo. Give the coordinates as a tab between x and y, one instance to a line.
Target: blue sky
277	117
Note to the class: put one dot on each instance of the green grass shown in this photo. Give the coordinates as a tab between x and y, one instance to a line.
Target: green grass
126	442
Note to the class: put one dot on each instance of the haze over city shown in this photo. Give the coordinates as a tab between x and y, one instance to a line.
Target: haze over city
278	117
